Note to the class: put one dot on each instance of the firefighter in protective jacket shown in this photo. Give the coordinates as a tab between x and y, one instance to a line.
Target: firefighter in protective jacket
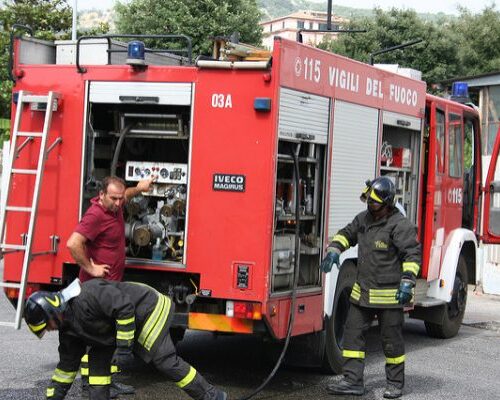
389	258
114	320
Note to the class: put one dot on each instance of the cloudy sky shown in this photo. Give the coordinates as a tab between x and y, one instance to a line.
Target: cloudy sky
433	6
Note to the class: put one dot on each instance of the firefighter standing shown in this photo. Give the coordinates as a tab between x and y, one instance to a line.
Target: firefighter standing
389	259
113	319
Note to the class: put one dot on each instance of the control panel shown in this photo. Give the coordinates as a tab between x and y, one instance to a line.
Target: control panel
166	172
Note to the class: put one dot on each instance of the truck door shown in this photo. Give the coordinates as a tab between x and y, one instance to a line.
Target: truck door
435	166
491	221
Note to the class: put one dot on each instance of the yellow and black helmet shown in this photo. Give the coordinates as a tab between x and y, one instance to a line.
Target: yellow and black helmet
42	307
381	190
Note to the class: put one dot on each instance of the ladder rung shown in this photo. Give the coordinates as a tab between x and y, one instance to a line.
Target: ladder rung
12	246
16	208
30	134
24	171
10	285
30	98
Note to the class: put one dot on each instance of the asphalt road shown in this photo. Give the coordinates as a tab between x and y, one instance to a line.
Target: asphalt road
464	367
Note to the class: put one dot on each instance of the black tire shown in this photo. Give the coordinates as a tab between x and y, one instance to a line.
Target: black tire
453	312
333	360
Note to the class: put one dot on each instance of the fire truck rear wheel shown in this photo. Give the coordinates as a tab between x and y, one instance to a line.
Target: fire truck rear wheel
453	312
333	360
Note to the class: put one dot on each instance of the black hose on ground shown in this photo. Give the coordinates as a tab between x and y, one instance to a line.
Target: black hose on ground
295	156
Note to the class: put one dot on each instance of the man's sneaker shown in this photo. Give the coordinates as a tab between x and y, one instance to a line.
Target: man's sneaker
221	395
392	392
121	388
345	387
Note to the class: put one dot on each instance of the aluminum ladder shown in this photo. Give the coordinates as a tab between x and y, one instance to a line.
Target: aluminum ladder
42	103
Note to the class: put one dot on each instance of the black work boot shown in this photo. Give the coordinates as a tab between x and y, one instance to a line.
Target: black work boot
121	388
113	394
392	392
345	387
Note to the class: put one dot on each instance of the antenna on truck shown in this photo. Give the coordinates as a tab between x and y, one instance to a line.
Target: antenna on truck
328	26
388	49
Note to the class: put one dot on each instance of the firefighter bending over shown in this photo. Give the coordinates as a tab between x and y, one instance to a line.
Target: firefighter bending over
389	258
115	320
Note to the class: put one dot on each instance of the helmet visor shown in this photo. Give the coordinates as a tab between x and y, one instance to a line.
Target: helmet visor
375	197
38	329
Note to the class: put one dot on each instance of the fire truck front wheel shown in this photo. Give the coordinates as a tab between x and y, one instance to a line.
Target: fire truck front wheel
333	360
453	312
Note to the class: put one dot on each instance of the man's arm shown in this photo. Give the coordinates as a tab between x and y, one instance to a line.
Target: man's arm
116	305
142	186
76	246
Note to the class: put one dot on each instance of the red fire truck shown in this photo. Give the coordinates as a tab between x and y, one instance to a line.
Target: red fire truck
260	157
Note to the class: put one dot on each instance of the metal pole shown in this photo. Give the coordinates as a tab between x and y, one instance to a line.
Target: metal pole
75	19
399	46
329	16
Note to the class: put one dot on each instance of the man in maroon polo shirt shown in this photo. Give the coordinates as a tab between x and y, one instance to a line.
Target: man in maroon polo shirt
98	244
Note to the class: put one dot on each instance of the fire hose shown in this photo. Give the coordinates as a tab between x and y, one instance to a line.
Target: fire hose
291	319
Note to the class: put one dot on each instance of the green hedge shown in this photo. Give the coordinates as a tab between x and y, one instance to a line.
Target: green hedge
4	130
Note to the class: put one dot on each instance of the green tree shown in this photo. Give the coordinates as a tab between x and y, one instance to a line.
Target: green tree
49	19
201	20
478	40
436	56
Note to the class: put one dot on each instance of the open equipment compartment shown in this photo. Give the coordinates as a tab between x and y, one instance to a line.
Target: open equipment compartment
134	130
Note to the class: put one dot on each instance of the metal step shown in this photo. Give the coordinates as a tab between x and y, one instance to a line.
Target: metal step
7	246
30	134
20	209
429	302
10	285
33	98
421	298
24	171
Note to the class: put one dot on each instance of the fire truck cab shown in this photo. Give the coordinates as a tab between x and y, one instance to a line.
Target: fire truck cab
260	158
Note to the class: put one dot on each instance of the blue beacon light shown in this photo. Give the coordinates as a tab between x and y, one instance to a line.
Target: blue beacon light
136	53
460	92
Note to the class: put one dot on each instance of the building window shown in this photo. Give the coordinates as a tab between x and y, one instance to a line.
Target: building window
300	24
322	27
271	28
283	25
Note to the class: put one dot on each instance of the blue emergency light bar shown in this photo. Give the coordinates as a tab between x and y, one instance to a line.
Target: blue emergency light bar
136	53
460	92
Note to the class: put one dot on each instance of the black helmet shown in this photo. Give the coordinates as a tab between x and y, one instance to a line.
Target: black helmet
380	190
42	307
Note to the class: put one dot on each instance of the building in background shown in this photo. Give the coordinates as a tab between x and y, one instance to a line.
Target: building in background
288	26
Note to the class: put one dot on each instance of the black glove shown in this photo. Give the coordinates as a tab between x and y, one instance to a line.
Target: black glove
331	258
123	358
405	291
